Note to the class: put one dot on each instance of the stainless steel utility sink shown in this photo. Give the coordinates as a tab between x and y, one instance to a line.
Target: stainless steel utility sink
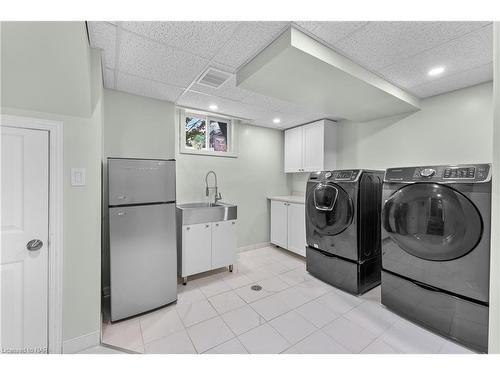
194	213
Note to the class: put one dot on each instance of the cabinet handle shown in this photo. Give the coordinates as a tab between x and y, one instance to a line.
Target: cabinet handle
206	225
216	225
234	223
188	228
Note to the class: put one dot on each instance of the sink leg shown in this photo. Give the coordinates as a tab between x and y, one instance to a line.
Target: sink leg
230	268
184	280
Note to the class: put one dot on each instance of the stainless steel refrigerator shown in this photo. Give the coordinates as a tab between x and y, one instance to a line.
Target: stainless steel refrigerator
142	236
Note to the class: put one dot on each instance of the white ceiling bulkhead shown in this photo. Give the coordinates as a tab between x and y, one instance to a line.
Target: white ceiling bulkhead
164	60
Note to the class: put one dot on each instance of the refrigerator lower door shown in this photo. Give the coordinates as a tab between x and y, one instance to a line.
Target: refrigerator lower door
143	258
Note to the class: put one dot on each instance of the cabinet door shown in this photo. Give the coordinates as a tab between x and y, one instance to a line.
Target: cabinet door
279	218
224	240
294	144
297	228
196	248
314	147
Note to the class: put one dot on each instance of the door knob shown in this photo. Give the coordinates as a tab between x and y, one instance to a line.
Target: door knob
34	245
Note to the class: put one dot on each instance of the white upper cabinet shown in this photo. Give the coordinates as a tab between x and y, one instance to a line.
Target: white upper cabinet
294	140
311	147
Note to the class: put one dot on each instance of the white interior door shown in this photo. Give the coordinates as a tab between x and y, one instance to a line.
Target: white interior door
24	215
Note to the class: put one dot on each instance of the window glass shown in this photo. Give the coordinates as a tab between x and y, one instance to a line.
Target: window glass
217	132
196	133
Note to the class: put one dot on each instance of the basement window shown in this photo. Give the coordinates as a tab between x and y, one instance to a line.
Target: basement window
206	134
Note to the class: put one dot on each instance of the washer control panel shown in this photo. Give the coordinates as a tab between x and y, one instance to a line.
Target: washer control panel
349	175
343	175
440	173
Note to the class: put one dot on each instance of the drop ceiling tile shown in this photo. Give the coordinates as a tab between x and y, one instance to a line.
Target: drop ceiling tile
330	31
227	90
144	87
472	50
109	78
148	59
272	104
288	120
453	82
102	35
247	41
380	44
228	107
203	38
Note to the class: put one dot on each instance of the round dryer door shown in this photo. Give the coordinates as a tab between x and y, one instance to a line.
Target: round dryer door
329	209
432	221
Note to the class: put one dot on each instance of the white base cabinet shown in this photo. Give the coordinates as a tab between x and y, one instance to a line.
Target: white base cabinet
207	246
288	226
279	226
297	228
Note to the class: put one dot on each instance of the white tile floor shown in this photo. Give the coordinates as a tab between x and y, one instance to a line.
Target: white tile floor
293	313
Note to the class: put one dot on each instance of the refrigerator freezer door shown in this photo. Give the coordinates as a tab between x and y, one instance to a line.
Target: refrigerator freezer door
135	181
143	258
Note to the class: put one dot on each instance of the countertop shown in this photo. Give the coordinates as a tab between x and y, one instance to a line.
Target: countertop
289	198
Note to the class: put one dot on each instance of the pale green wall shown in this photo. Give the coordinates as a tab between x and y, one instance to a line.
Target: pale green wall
246	181
45	67
451	128
45	90
137	127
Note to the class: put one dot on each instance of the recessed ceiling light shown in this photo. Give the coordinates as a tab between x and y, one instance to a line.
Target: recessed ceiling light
276	120
436	71
213	107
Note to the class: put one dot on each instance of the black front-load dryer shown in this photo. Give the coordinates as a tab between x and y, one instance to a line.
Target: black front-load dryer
436	248
343	228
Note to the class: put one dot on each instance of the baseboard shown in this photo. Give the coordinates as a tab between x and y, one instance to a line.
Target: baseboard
82	342
252	247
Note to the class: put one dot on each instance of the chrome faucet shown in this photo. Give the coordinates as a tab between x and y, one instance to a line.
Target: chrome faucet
217	196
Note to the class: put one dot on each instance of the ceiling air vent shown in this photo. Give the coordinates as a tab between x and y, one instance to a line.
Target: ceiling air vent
213	78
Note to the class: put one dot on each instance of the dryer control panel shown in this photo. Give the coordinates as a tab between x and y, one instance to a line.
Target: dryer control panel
466	173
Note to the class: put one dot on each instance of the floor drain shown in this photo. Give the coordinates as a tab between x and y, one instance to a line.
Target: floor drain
256	287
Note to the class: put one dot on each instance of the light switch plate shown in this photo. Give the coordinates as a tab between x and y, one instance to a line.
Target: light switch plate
77	176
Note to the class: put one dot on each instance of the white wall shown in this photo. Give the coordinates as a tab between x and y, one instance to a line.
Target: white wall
82	147
494	332
451	128
246	181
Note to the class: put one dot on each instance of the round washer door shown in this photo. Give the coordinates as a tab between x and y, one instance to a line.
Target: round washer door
432	221
329	209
